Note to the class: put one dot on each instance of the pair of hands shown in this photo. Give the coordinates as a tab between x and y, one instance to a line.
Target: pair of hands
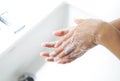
74	42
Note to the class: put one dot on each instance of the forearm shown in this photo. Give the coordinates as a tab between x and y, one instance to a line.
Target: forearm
116	23
110	38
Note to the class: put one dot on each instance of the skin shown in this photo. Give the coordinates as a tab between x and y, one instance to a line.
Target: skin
116	23
87	34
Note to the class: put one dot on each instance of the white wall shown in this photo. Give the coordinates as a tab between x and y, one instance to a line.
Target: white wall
104	9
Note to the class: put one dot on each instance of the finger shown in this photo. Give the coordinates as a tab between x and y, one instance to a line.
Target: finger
50	59
73	55
64	39
65	61
56	52
61	32
78	21
45	54
59	49
67	51
70	57
48	44
77	53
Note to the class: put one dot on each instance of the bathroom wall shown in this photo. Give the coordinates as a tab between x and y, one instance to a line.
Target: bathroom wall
103	9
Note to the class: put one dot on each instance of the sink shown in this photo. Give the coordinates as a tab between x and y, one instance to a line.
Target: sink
98	64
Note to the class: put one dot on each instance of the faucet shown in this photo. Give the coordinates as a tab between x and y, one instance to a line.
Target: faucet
3	18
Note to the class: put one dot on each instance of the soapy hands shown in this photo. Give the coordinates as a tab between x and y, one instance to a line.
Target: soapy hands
74	42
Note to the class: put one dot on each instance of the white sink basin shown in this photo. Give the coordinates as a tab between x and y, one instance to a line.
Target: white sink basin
98	64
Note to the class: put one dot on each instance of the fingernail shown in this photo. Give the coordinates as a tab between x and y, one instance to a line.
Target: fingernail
41	54
43	44
53	32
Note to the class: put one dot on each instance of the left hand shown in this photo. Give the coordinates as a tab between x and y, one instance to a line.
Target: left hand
76	41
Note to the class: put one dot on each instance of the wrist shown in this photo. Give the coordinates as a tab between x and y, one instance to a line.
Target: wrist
110	38
116	23
104	33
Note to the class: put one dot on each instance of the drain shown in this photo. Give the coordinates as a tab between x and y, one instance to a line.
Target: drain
27	77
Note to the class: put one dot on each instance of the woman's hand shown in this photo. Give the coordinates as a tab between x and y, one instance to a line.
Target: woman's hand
75	41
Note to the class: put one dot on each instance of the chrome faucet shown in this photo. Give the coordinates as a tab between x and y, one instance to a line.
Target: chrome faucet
3	18
10	22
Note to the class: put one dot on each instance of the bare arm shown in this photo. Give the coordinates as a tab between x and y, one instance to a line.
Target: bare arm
86	35
110	37
116	23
